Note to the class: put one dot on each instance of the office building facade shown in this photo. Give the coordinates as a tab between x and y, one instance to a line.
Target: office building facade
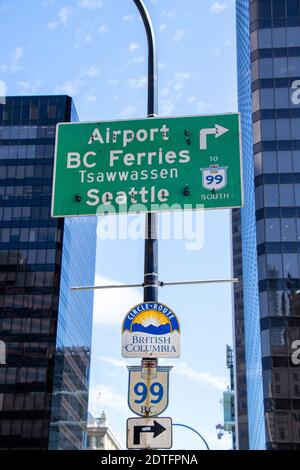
46	331
268	45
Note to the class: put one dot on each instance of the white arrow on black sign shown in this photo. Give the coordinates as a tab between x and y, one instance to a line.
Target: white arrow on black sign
149	433
157	429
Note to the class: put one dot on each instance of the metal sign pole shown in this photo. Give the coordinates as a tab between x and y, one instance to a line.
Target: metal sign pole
151	243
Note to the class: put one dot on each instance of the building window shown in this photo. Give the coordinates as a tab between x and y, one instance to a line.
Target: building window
285	164
293	67
34	112
281	432
280	67
264	9
288	229
274	266
286	195
293	34
265	38
290	266
268	131
271	196
269	162
279	36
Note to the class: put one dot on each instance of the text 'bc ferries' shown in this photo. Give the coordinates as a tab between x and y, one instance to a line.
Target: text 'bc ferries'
150	329
147	165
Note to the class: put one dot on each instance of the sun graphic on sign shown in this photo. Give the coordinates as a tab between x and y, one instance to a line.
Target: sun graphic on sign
151	320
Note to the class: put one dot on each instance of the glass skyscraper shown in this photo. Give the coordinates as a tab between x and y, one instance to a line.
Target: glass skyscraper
268	54
46	328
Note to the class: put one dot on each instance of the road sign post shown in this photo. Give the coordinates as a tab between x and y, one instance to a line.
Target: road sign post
149	433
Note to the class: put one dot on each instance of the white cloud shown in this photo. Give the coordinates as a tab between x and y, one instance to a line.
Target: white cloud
128	18
172	93
25	86
218	444
134	46
138	59
92	71
192	99
217	51
113	81
3	6
102	29
90	99
70	87
162	65
162	27
179	86
14	65
204	106
137	82
52	25
167	108
217	8
15	58
128	112
92	4
88	38
110	300
65	14
205	377
166	91
169	14
112	361
183	76
102	397
178	36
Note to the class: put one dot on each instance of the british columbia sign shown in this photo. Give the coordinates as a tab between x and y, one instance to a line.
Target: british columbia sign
147	165
150	329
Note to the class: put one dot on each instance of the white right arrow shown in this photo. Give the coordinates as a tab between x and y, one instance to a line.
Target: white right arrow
217	131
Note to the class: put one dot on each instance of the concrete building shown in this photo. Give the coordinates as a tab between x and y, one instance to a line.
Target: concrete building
100	436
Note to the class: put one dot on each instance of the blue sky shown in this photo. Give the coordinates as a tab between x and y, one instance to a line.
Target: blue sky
95	51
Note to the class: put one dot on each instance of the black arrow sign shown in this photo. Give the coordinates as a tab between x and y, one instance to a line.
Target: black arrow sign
157	429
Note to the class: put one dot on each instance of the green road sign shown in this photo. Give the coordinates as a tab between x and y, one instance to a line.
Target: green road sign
146	165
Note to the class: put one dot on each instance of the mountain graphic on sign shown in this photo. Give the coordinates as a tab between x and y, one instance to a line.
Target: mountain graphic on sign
151	329
151	322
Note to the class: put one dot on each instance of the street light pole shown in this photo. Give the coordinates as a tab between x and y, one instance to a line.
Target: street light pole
151	243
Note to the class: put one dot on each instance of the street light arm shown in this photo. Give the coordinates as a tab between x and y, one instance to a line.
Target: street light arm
151	243
194	430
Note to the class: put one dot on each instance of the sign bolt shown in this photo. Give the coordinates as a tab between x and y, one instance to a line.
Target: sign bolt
187	136
186	190
77	198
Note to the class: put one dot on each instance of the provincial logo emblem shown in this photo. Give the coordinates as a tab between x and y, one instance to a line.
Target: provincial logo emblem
150	329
